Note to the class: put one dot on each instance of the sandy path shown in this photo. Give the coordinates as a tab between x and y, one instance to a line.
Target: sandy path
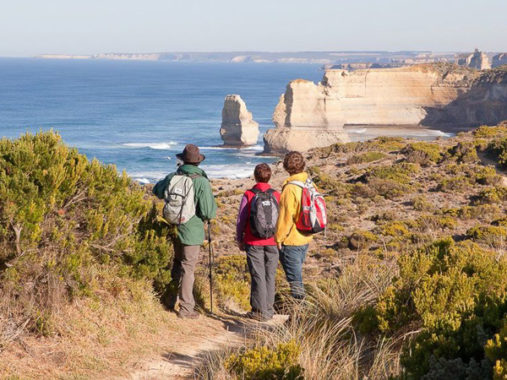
185	352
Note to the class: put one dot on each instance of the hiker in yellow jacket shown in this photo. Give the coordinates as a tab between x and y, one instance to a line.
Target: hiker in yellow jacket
292	243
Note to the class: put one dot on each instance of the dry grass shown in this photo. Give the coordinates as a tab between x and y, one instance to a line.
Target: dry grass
96	335
331	347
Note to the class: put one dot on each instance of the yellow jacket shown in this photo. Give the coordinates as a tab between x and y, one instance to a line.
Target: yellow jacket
290	206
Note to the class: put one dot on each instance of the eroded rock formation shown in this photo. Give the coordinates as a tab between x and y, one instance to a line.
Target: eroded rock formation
476	60
310	115
238	127
499	60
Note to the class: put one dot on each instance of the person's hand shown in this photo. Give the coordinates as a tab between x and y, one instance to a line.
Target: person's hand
279	245
242	246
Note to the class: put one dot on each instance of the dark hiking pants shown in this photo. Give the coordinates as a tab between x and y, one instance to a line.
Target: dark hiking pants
182	276
262	264
292	258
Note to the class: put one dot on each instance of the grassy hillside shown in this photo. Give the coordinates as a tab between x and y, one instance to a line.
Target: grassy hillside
410	279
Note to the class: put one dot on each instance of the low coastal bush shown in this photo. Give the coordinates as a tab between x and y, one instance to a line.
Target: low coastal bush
422	153
233	281
70	227
498	150
454	296
263	363
366	157
463	152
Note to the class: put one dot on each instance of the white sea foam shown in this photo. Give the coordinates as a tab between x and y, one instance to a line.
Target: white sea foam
254	148
235	171
229	171
358	131
152	145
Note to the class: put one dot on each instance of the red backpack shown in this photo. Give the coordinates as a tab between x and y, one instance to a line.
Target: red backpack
313	216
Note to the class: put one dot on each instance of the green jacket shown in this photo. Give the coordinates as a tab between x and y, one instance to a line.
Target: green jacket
192	232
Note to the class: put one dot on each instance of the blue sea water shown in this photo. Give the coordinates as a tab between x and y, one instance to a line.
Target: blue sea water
138	115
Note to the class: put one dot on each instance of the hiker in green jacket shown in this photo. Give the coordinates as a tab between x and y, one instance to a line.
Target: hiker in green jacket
190	233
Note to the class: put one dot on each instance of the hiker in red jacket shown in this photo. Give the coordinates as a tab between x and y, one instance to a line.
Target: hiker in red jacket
255	229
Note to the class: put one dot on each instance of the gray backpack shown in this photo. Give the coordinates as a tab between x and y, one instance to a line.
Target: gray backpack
263	213
179	199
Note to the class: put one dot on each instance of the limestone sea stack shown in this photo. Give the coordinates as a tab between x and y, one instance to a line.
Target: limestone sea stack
238	127
441	95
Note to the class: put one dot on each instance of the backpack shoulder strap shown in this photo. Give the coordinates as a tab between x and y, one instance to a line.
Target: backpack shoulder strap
255	191
297	183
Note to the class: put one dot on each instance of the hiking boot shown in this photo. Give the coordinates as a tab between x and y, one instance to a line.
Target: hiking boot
256	316
188	314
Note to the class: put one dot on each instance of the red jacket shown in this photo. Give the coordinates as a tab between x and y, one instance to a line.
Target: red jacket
243	231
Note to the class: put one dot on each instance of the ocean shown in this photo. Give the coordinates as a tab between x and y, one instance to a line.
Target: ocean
139	114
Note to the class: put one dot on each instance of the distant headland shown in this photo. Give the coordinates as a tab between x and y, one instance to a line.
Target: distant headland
326	58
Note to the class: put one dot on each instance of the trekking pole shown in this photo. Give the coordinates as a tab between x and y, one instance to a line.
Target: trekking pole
210	268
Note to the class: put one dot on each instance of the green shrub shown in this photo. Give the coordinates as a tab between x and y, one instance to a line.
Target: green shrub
67	226
366	157
490	195
232	280
361	239
422	153
450	184
455	295
496	351
498	150
489	132
463	152
495	236
263	363
399	173
421	203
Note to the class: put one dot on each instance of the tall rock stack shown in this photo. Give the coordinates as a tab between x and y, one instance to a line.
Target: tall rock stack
476	60
238	127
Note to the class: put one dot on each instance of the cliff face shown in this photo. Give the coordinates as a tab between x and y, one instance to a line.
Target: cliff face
238	127
476	60
499	60
410	95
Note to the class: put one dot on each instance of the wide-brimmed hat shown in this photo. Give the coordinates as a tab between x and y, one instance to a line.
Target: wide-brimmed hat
191	154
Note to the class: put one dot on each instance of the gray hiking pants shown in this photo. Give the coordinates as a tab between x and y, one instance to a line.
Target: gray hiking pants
262	263
182	274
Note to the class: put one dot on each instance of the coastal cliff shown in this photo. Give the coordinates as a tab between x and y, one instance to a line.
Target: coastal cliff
434	95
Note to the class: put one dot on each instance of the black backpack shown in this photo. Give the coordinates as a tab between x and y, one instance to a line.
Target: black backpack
263	213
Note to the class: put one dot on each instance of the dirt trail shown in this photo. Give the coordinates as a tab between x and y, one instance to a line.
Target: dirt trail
197	338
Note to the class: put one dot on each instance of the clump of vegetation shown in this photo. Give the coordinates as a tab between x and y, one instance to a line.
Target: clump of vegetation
232	279
491	131
496	351
421	203
70	228
422	153
361	239
263	363
399	173
463	152
498	150
490	195
454	295
450	184
366	157
495	236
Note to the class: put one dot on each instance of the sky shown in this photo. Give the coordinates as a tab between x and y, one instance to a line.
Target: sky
32	27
